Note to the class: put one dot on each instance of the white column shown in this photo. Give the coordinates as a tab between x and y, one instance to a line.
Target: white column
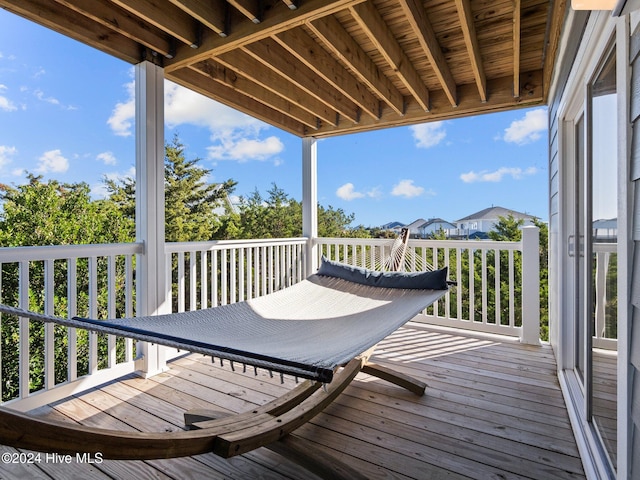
310	201
530	333
151	291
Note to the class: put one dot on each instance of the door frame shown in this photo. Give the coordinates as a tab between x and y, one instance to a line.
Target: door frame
600	32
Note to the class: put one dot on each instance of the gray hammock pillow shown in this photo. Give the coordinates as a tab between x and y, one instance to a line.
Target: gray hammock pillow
434	280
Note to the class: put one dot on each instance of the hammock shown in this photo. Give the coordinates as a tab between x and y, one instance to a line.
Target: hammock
323	328
306	330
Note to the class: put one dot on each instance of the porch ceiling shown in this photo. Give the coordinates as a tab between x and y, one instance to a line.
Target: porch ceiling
327	67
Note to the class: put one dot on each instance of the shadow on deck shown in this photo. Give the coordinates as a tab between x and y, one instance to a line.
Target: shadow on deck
492	409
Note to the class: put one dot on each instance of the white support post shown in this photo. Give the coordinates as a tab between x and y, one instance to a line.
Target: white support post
310	201
530	333
151	287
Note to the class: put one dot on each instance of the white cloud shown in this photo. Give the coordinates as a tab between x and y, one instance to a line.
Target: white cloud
39	94
123	114
107	158
52	161
528	129
233	147
497	175
347	192
235	136
406	188
5	154
428	135
6	104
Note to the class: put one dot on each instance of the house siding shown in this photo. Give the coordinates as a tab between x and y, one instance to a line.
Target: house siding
634	320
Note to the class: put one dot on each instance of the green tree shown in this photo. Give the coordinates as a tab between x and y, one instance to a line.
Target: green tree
53	213
192	205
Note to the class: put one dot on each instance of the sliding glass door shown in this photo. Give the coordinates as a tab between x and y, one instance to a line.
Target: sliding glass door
590	260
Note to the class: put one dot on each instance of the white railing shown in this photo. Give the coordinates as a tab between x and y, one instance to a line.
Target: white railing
483	301
605	296
207	274
96	281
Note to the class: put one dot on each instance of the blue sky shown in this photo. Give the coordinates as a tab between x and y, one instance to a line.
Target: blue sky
66	113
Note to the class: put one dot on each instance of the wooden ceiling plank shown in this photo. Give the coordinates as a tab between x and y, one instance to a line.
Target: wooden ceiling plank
471	41
68	22
272	55
419	21
211	13
245	65
301	45
276	20
516	48
374	25
335	37
165	16
200	83
249	8
238	83
470	104
105	13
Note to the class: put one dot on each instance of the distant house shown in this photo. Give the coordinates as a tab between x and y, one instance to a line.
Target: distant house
393	227
414	228
435	225
484	221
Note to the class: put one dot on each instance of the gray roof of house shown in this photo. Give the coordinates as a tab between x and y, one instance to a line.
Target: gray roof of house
431	221
495	212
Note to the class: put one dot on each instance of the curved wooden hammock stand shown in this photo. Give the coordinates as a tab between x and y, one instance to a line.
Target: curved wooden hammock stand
227	436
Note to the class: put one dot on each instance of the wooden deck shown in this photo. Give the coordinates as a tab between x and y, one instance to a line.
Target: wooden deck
492	409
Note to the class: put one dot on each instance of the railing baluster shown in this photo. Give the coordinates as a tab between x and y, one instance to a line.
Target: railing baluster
214	278
72	311
111	307
128	305
497	277
181	282
233	286
23	300
484	284
193	281
49	337
224	278
93	312
203	279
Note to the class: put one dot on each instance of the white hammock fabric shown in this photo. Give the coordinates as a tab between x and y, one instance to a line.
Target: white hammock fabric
305	330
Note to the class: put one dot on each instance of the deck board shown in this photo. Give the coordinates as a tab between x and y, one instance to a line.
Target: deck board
492	409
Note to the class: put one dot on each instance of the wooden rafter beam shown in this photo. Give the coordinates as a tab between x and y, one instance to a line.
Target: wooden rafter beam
166	17
552	41
249	8
276	20
301	45
272	55
419	21
78	27
292	4
110	16
247	66
501	99
336	38
516	48
374	25
211	13
243	87
471	41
